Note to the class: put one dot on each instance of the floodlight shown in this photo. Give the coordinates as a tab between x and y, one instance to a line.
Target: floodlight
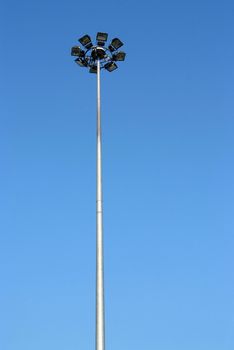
115	44
81	62
119	56
93	69
86	41
110	66
77	51
101	38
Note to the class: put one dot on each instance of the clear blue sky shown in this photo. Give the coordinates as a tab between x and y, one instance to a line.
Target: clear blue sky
168	176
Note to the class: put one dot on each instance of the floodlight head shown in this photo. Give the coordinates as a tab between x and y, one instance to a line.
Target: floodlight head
101	38
98	54
77	51
81	62
119	56
110	66
86	41
115	44
93	69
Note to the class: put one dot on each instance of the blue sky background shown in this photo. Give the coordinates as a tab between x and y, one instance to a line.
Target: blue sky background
168	176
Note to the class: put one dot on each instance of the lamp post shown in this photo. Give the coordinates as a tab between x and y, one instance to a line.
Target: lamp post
97	57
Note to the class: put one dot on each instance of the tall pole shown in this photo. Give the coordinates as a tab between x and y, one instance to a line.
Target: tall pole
100	318
97	57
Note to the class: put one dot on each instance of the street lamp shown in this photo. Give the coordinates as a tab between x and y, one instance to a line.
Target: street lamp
97	57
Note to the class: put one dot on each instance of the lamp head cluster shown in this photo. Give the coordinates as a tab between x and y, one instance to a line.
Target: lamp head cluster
91	53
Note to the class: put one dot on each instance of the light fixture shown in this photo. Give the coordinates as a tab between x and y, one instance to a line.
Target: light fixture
110	66
77	51
115	44
119	56
107	56
86	41
101	38
93	69
81	62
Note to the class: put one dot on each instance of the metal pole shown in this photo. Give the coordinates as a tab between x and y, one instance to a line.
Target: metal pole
100	318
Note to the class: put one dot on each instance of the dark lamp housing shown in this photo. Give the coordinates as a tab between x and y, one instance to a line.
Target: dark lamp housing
119	56
101	38
93	69
86	41
115	44
81	62
77	51
110	66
